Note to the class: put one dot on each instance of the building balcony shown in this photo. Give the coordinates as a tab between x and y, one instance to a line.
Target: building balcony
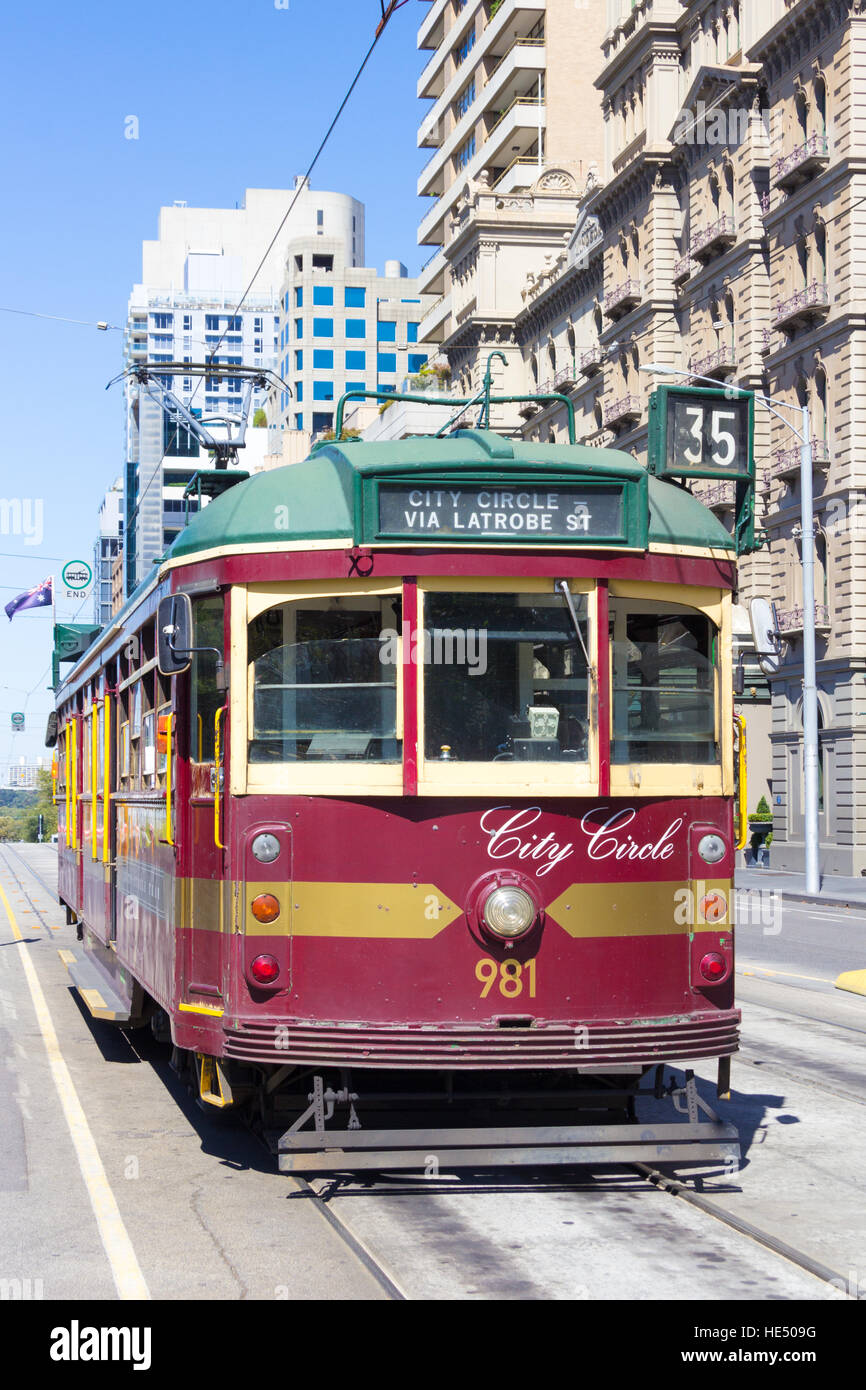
786	462
590	361
564	379
720	363
521	172
683	269
623	411
792	169
622	298
768	341
791	620
432	326
720	497
429	30
709	241
806	306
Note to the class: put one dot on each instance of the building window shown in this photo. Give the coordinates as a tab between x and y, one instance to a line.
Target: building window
322	420
323	328
465	99
162	320
465	153
356	328
386	362
323	357
299	328
411	332
323	390
463	50
299	422
299	360
356	361
299	391
416	361
299	296
323	262
257	326
355	297
323	294
386	331
320	217
356	385
187	323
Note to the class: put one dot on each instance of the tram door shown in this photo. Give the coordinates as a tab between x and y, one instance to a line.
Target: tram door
205	915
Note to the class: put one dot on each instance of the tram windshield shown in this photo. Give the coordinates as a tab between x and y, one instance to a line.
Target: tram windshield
505	679
664	684
319	688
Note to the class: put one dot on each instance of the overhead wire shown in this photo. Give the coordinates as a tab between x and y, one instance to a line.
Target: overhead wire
386	16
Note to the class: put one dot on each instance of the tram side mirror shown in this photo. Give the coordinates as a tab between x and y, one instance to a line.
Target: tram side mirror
765	635
174	634
51	730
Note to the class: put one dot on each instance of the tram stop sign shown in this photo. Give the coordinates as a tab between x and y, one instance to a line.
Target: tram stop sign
18	722
702	433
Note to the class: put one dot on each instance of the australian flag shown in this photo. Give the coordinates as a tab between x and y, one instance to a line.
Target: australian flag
40	597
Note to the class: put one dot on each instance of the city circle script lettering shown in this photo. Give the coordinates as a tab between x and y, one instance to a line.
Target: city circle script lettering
528	512
511	836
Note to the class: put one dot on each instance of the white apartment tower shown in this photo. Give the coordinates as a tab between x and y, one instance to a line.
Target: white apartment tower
516	132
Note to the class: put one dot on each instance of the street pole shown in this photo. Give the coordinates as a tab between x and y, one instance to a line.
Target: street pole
811	832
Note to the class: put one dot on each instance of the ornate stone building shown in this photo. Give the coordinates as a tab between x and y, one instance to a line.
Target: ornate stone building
720	237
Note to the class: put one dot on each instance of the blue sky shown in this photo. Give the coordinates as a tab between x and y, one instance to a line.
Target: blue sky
227	97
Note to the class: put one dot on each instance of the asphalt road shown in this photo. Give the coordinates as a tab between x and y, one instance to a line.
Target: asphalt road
137	1191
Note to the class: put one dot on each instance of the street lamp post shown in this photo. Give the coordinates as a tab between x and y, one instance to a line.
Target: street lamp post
811	833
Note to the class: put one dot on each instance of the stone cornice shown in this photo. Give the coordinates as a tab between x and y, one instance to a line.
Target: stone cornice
830	14
654	37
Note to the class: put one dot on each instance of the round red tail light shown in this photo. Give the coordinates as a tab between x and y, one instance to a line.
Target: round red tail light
264	970
713	967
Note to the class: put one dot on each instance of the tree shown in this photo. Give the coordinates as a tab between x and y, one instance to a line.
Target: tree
260	418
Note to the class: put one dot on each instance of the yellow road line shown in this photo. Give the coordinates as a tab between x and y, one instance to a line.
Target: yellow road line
787	975
125	1269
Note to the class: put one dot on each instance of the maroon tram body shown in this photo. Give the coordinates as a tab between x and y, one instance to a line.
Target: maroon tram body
290	907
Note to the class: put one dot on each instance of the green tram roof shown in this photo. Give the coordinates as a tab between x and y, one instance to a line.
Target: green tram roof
320	493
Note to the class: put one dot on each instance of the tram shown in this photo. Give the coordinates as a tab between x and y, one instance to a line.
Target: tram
400	800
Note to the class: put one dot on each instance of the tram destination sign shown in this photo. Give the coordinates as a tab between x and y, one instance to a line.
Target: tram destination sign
701	433
512	512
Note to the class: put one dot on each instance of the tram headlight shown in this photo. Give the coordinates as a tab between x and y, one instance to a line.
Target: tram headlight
266	847
712	848
509	912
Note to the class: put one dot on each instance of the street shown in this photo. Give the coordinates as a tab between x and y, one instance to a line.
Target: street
203	1214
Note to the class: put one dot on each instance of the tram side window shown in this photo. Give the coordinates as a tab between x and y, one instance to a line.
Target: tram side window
665	687
505	678
205	699
323	681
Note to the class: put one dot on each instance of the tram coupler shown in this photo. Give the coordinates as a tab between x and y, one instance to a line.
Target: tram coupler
213	1084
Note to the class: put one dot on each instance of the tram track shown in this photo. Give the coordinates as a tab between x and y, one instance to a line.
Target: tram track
675	1188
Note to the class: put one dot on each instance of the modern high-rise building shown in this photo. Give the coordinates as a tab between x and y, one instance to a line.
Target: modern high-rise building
343	327
108	545
515	127
193	277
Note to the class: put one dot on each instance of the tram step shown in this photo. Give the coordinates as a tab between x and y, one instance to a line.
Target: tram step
96	989
347	1150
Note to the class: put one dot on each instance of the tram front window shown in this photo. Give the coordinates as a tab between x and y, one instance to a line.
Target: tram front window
505	678
319	689
664	684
